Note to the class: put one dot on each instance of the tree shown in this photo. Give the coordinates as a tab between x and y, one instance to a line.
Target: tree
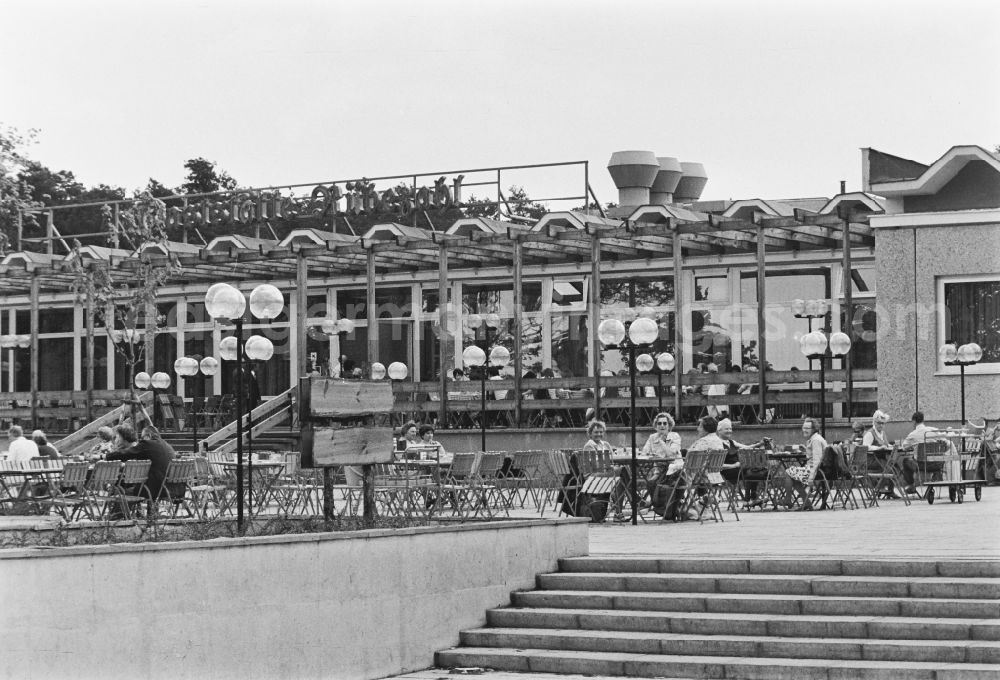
120	293
516	203
15	194
203	178
158	190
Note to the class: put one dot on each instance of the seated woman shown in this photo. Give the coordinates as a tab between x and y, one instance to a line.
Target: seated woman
427	442
409	437
104	443
797	477
664	444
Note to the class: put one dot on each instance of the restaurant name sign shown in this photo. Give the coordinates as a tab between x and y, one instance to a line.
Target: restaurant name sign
358	197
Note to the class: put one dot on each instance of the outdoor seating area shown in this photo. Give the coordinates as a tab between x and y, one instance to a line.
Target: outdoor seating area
421	484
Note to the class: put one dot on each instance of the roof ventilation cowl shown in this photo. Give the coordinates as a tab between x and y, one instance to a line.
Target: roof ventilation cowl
670	173
692	183
633	173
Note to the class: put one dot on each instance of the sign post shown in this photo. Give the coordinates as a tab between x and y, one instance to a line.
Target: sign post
336	430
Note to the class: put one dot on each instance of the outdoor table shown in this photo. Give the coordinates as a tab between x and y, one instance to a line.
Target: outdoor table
266	474
25	477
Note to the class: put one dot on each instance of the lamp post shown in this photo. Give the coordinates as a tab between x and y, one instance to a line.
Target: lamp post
965	355
189	367
664	363
474	356
641	333
158	382
340	328
815	345
225	304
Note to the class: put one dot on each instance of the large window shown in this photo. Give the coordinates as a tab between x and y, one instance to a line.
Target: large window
971	307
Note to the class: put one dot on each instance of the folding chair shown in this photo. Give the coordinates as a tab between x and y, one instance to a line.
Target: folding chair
68	495
206	490
754	474
176	491
487	494
131	489
528	466
888	475
458	483
101	489
566	480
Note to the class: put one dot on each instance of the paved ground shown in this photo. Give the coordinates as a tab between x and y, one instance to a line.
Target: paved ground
968	530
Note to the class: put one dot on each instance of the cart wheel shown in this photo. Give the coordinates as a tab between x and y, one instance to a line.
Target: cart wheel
961	495
979	493
952	492
930	495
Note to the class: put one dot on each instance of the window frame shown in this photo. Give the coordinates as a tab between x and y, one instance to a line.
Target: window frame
982	368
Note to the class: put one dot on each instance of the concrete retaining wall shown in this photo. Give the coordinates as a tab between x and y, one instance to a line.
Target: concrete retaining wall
349	605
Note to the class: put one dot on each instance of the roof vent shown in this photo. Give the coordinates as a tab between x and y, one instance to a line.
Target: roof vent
662	191
692	183
633	173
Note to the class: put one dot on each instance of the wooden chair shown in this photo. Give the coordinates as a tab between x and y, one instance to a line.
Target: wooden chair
101	489
131	488
68	494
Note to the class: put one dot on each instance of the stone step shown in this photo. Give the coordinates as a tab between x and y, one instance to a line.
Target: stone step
800	565
781	625
950	651
654	665
794	584
760	604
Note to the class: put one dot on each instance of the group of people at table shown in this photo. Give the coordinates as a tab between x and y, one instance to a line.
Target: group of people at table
120	443
664	480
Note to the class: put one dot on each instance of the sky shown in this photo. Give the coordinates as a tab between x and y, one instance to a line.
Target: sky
776	99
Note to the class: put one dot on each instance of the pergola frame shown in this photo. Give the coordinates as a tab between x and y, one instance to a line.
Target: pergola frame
650	232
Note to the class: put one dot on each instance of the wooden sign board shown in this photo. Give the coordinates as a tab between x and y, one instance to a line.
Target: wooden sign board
349	445
334	398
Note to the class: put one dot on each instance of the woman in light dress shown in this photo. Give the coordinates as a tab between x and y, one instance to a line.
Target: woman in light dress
797	477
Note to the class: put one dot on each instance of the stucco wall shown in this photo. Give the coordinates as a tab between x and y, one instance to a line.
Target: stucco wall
362	605
908	339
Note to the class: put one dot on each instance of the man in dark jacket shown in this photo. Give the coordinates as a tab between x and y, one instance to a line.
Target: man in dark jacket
150	447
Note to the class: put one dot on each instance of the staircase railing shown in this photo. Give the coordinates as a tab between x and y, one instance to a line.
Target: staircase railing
82	438
272	412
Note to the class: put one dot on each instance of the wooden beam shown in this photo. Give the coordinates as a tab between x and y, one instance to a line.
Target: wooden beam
444	335
595	317
301	304
518	330
681	309
371	316
33	359
761	335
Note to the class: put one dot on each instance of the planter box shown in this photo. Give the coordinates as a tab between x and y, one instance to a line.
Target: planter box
365	604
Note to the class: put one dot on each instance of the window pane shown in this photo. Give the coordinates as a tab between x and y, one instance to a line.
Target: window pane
863	335
100	362
641	292
499	298
391	303
863	279
570	344
973	309
714	287
56	356
316	306
787	285
568	293
59	320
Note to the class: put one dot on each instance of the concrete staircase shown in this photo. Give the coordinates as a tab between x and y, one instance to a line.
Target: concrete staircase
748	618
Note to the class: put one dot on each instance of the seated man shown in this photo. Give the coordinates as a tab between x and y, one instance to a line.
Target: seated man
752	479
920	434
